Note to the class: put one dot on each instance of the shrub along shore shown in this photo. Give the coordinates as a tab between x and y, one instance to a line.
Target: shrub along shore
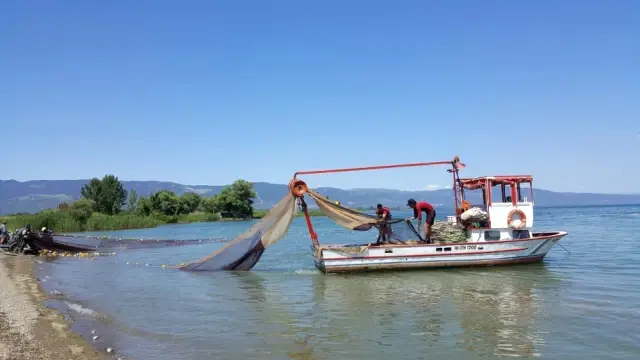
64	222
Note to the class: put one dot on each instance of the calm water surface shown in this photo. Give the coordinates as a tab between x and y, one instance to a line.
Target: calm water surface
583	305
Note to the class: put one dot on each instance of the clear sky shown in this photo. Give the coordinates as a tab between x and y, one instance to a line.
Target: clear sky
205	92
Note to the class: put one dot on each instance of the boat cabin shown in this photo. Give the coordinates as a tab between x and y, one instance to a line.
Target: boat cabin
507	202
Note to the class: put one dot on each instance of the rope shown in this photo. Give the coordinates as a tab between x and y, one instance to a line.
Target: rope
112	242
142	240
49	253
379	167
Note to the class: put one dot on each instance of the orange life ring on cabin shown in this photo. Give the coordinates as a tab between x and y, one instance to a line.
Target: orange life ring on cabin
523	218
297	187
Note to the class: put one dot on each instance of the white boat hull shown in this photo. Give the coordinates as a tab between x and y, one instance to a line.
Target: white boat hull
341	258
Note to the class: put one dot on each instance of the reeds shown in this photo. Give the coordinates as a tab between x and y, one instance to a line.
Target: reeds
64	221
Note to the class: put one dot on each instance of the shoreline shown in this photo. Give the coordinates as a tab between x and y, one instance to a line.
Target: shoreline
28	329
61	223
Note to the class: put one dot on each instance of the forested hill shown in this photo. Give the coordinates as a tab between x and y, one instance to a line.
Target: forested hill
33	196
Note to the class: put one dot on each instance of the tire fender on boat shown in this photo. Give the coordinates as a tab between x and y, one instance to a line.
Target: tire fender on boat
523	218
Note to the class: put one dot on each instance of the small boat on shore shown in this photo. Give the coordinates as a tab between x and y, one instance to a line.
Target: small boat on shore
28	242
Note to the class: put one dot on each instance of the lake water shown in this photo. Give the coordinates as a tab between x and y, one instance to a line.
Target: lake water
583	305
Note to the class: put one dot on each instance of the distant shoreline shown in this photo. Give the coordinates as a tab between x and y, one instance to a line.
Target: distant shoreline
32	196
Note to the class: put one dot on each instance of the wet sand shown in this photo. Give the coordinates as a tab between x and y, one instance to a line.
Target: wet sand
29	330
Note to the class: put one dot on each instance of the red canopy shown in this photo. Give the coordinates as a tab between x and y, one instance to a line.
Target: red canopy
479	183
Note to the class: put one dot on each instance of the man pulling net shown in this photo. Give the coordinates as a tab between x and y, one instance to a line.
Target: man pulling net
430	212
384	216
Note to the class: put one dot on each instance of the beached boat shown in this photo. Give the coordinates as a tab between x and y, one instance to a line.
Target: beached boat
503	236
35	242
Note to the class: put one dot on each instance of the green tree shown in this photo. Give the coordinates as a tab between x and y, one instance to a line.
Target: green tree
190	202
143	207
165	202
63	206
81	210
237	199
133	200
108	194
210	205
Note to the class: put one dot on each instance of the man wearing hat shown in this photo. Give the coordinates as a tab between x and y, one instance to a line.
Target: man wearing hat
418	208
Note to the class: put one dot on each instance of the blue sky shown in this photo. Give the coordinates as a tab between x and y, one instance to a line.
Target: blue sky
205	92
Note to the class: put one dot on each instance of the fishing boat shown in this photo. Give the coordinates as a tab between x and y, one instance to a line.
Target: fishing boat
504	234
492	233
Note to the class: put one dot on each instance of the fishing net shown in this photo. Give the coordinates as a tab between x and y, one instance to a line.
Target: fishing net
393	231
448	233
243	252
106	242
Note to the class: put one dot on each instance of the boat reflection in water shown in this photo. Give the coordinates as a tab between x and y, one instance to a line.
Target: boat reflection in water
457	314
499	313
451	314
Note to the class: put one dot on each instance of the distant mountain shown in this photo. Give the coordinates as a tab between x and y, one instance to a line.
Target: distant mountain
36	195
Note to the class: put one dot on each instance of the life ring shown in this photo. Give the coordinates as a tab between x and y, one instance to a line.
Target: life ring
523	219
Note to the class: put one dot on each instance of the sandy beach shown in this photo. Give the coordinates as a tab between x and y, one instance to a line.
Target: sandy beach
29	330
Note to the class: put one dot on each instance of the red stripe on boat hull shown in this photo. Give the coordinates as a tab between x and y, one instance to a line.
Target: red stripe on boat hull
431	265
425	255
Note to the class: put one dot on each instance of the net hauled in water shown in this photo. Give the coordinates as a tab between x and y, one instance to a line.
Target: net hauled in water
244	252
394	231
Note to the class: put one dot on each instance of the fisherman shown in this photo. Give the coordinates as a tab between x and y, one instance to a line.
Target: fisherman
384	214
418	208
4	235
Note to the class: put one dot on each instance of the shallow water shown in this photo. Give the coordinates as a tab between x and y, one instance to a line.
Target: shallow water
583	305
